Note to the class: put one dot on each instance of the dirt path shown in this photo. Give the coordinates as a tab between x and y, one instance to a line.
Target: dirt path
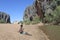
10	32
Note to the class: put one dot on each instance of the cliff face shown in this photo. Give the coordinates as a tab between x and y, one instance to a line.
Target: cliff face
43	5
40	8
30	12
33	11
5	17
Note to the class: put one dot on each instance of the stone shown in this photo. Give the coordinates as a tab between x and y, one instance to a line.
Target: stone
39	8
5	17
30	11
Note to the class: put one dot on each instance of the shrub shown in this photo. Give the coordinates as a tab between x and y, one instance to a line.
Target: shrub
54	16
2	21
27	22
36	20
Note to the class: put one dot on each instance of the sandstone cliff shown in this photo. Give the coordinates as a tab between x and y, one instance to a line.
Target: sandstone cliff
5	17
38	8
41	8
30	11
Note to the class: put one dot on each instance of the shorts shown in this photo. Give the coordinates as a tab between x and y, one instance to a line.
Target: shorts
22	32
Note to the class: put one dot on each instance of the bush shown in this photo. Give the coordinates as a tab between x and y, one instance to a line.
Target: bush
54	16
48	18
53	31
20	22
27	22
2	21
48	15
36	20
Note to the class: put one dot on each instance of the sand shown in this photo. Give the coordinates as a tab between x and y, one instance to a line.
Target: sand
10	32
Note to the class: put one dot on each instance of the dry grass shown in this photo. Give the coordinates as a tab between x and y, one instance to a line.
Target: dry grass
53	31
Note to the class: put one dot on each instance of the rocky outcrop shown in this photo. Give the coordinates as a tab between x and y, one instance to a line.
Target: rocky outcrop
40	8
43	5
5	17
30	12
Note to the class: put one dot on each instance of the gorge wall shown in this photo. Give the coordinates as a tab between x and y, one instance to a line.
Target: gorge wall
4	17
40	8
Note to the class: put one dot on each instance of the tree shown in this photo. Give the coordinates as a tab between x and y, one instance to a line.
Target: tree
2	21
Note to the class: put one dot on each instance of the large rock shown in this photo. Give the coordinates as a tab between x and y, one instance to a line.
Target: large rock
45	7
40	8
5	17
30	12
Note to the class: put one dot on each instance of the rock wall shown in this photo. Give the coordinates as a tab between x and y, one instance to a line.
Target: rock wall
5	17
39	8
30	11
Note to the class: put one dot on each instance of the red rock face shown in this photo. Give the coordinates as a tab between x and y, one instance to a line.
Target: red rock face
39	10
39	7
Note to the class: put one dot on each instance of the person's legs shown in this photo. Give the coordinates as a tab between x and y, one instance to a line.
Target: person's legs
23	32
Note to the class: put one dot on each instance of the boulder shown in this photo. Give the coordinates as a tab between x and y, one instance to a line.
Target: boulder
5	17
40	8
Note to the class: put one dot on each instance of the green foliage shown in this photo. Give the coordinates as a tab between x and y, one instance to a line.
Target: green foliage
2	21
20	22
36	20
54	16
53	31
48	18
27	22
48	15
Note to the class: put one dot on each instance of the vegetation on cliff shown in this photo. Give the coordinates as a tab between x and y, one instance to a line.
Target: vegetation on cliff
47	11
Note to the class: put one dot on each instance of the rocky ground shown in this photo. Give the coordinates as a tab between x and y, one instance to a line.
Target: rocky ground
10	32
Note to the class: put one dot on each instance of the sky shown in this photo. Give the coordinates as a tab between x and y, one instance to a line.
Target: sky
15	8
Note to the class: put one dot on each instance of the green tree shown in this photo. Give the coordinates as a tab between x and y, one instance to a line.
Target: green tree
2	21
56	15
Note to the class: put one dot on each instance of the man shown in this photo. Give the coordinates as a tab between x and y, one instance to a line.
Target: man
21	29
22	32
